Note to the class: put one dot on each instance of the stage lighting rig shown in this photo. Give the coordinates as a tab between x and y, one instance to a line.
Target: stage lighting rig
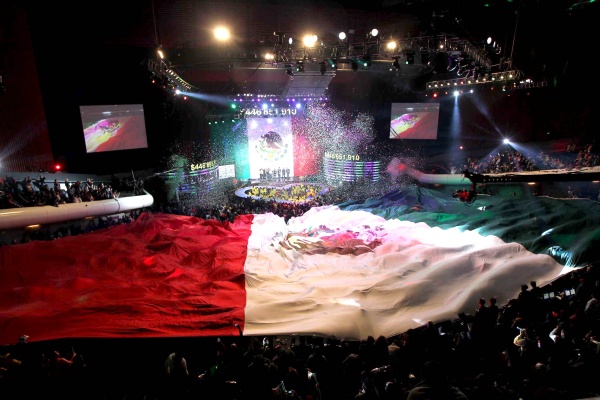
161	71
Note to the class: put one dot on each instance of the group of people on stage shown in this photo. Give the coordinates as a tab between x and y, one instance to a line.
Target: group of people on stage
278	173
290	193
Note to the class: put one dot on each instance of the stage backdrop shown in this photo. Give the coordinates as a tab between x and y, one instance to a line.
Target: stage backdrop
259	143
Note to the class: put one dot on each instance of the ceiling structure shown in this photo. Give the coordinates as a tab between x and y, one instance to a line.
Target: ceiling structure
440	42
436	40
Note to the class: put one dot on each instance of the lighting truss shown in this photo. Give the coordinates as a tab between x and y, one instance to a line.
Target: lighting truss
335	51
507	77
168	76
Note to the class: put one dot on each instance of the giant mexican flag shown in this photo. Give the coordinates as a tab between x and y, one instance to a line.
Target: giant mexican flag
343	272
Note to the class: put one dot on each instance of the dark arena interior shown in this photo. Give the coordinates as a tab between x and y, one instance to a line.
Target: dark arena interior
299	200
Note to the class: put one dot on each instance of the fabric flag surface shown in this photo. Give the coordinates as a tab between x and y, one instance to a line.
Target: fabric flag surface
347	271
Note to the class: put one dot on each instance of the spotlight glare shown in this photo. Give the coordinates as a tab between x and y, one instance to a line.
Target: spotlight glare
222	33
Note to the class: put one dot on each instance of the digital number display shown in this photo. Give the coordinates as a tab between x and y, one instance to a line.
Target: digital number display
342	157
270	112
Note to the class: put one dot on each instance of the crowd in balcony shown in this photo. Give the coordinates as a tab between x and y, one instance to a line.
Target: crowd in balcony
36	192
516	161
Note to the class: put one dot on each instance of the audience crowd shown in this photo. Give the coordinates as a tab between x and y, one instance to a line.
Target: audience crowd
543	344
516	161
36	192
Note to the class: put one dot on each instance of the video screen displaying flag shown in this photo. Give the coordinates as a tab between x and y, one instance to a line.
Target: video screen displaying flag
414	120
113	127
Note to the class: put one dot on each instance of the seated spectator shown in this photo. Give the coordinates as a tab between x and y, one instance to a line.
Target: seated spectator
435	385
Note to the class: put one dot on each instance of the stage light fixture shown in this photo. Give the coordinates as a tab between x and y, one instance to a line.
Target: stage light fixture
221	34
366	60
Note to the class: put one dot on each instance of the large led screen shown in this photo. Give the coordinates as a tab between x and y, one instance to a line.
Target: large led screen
266	148
270	147
113	127
414	120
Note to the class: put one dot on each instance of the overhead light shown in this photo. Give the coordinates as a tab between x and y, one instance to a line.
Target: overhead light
342	35
221	33
309	40
367	60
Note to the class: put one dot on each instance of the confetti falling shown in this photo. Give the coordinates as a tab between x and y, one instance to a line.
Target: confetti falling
321	128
